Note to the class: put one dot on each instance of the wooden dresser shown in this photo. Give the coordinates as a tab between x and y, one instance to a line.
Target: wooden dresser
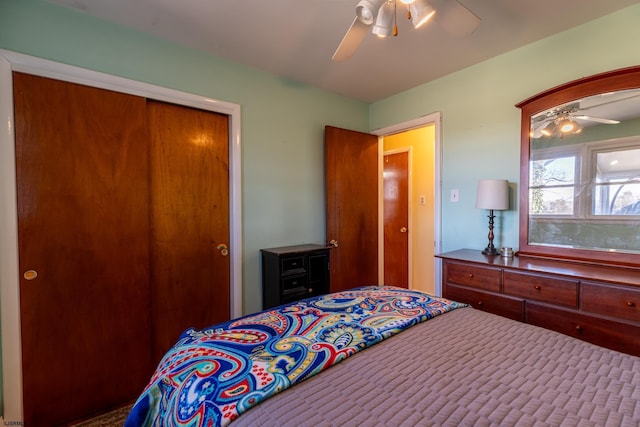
595	303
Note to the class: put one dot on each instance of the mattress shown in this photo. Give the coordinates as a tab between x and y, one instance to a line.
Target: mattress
211	376
462	368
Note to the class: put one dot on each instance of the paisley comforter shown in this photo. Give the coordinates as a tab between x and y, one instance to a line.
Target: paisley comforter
212	376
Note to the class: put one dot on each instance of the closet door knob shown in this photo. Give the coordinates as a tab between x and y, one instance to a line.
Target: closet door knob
30	274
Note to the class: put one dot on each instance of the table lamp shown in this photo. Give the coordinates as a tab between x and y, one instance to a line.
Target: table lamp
493	194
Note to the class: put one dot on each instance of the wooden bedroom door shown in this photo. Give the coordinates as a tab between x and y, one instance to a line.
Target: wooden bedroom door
396	219
189	220
82	188
351	180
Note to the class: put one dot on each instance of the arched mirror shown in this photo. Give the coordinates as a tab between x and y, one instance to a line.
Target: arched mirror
580	170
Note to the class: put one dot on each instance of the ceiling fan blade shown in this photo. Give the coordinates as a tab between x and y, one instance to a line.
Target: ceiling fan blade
597	119
602	104
351	40
540	118
454	17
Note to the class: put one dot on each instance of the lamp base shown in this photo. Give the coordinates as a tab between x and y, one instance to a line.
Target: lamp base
490	251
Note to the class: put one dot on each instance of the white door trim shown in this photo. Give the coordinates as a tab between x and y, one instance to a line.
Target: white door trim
9	274
429	119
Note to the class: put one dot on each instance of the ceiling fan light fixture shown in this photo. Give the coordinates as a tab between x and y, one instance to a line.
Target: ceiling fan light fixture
567	125
549	129
421	12
535	133
367	10
380	17
385	21
577	127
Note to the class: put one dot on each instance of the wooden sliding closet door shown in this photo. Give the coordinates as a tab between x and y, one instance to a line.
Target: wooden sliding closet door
83	227
189	160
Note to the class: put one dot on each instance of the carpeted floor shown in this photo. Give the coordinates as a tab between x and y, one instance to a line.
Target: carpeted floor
112	419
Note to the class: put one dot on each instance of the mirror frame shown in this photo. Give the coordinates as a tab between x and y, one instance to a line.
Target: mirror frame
620	79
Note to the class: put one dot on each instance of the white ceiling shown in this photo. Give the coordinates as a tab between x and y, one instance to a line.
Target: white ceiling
296	38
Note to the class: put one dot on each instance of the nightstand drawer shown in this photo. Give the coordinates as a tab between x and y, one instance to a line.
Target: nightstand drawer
615	301
471	275
292	265
286	299
549	289
294	284
513	308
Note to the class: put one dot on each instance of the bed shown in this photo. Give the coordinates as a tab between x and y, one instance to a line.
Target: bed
387	356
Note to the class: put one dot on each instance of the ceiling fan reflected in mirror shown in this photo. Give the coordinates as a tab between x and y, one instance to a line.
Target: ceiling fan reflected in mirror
379	17
565	120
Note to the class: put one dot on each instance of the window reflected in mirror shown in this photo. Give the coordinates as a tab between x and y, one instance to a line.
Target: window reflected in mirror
552	184
617	182
584	174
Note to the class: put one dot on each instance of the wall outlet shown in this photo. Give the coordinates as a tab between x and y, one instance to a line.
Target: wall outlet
422	200
454	197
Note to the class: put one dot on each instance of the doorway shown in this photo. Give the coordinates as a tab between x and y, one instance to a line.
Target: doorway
423	136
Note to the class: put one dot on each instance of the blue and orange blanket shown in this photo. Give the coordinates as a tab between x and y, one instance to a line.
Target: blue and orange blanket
212	376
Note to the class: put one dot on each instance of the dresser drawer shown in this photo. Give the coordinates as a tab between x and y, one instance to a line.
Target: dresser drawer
513	308
611	300
539	287
618	336
475	276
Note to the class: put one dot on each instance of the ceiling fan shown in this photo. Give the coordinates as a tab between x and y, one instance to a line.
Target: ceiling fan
563	120
379	16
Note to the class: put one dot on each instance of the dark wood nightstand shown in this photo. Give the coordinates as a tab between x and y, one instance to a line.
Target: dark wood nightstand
292	273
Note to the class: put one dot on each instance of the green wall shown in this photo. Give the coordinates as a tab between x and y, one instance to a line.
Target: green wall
282	121
481	125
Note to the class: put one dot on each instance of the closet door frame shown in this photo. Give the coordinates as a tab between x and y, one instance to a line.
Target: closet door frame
9	271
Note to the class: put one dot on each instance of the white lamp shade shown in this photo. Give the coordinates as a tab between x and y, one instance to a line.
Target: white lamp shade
493	194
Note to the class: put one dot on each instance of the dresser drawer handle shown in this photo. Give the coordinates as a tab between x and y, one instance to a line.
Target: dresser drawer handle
479	303
631	304
470	276
538	287
578	328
